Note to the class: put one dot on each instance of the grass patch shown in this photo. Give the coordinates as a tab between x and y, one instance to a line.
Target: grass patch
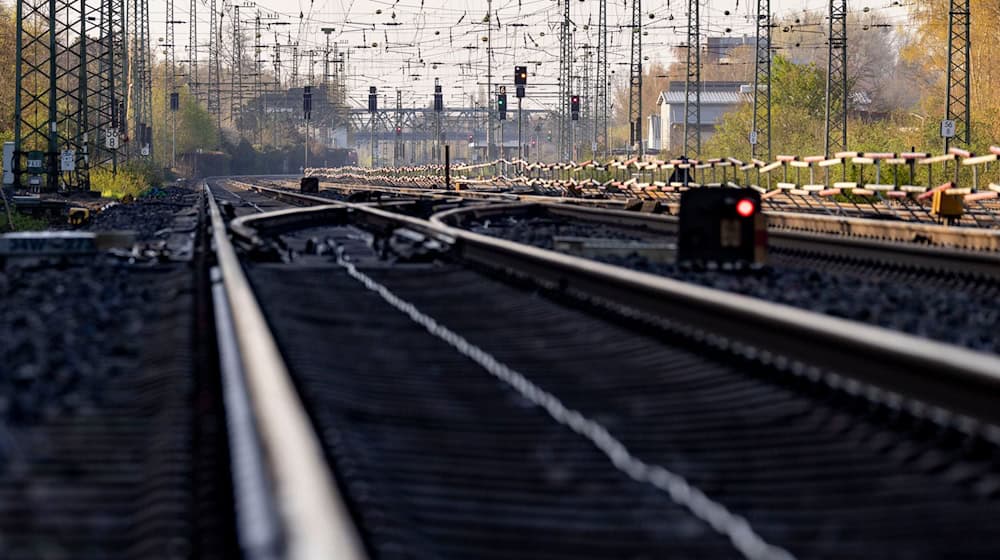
22	222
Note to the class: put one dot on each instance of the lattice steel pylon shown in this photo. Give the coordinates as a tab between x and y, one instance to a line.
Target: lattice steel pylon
565	73
692	82
635	81
340	58
140	75
836	79
214	94
958	101
170	66
276	62
51	91
489	79
106	81
82	160
312	67
760	144
193	82
601	82
236	75
326	59
260	101
170	73
587	100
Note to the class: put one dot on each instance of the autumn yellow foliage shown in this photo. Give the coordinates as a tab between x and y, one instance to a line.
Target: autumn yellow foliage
928	49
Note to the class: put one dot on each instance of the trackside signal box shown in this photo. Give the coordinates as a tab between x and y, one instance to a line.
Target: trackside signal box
721	226
8	163
947	206
309	185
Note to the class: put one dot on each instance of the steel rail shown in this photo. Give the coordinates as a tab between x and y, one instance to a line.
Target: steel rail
476	195
860	239
978	239
315	522
964	262
779	223
794	211
895	368
294	197
258	528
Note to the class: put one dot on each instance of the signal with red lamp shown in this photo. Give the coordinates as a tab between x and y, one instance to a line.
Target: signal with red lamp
721	226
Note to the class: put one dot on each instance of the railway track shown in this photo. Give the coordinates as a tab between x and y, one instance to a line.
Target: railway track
419	390
927	288
921	248
878	203
112	442
781	219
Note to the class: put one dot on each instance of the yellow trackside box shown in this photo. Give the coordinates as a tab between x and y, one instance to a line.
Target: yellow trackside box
947	205
78	216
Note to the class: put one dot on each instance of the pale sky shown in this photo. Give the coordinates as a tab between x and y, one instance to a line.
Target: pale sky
405	44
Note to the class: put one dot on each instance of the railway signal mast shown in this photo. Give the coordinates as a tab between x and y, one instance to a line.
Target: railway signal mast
307	105
399	149
372	112
574	114
438	109
175	105
502	104
501	114
520	82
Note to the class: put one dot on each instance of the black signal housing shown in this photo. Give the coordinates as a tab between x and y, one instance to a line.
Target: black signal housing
520	75
721	226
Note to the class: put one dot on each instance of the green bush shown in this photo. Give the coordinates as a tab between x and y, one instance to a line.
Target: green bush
132	180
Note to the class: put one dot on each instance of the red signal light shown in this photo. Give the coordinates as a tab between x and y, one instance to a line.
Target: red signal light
745	208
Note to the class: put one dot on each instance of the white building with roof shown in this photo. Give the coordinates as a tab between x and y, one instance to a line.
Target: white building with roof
717	98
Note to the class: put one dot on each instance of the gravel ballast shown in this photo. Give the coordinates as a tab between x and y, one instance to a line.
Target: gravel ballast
99	436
